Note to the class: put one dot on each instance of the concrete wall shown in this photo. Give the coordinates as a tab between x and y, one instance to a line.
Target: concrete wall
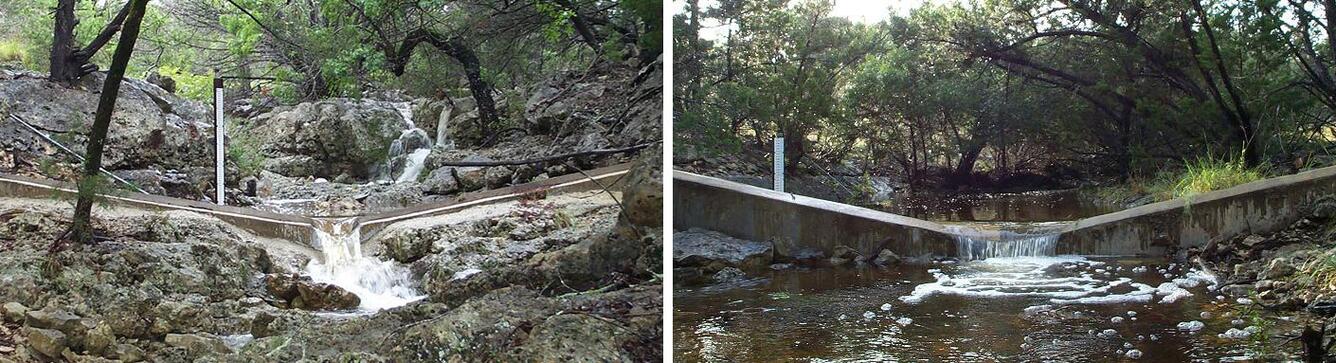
607	177
260	223
794	222
1156	229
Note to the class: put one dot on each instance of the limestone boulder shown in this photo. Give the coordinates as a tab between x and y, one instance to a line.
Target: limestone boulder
326	138
714	250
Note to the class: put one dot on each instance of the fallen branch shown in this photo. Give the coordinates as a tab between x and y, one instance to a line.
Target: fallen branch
547	158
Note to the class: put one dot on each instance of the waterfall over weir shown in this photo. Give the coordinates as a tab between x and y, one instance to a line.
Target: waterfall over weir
975	244
380	284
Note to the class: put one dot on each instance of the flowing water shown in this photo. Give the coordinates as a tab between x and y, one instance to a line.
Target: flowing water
1007	298
380	284
416	159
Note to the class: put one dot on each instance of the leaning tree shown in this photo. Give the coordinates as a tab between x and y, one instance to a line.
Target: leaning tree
82	231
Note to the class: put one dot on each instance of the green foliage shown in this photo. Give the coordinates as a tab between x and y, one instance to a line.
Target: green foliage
245	154
650	13
559	27
193	86
978	84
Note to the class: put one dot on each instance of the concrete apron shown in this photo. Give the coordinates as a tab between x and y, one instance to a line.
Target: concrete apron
795	223
301	229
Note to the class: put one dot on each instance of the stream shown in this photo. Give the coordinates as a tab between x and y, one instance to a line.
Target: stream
379	284
1009	298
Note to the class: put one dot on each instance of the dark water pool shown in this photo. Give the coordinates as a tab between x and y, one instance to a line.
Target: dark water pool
1036	206
1002	309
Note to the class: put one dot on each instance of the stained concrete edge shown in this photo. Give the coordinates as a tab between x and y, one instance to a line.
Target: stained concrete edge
796	225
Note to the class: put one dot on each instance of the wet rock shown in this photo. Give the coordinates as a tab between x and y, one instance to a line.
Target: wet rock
887	258
698	247
781	266
197	345
322	296
46	342
301	293
729	274
843	255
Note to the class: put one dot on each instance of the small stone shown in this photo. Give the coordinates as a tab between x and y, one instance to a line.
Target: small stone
129	353
99	339
729	274
886	258
46	342
14	312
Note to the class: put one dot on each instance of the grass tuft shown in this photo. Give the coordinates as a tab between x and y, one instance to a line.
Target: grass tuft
1208	174
12	51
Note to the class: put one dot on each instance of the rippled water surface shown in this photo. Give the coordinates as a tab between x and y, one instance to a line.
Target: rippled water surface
1001	309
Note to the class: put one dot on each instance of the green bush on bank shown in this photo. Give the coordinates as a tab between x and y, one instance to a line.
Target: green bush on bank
1197	176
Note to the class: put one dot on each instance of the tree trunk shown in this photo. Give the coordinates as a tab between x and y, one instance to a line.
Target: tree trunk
83	210
967	159
794	150
482	91
455	48
63	69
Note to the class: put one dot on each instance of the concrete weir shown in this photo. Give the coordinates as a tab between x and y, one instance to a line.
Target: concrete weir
796	223
264	224
1156	229
301	228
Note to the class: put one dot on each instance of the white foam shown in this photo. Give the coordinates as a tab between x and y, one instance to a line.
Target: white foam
379	284
1235	333
1171	292
1003	277
1190	326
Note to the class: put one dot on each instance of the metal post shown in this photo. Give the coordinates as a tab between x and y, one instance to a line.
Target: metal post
779	163
219	132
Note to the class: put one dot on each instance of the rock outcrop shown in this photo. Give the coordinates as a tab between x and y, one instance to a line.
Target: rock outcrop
337	139
150	128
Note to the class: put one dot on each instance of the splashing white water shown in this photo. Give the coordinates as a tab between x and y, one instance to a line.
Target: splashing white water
415	160
380	284
413	167
976	244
